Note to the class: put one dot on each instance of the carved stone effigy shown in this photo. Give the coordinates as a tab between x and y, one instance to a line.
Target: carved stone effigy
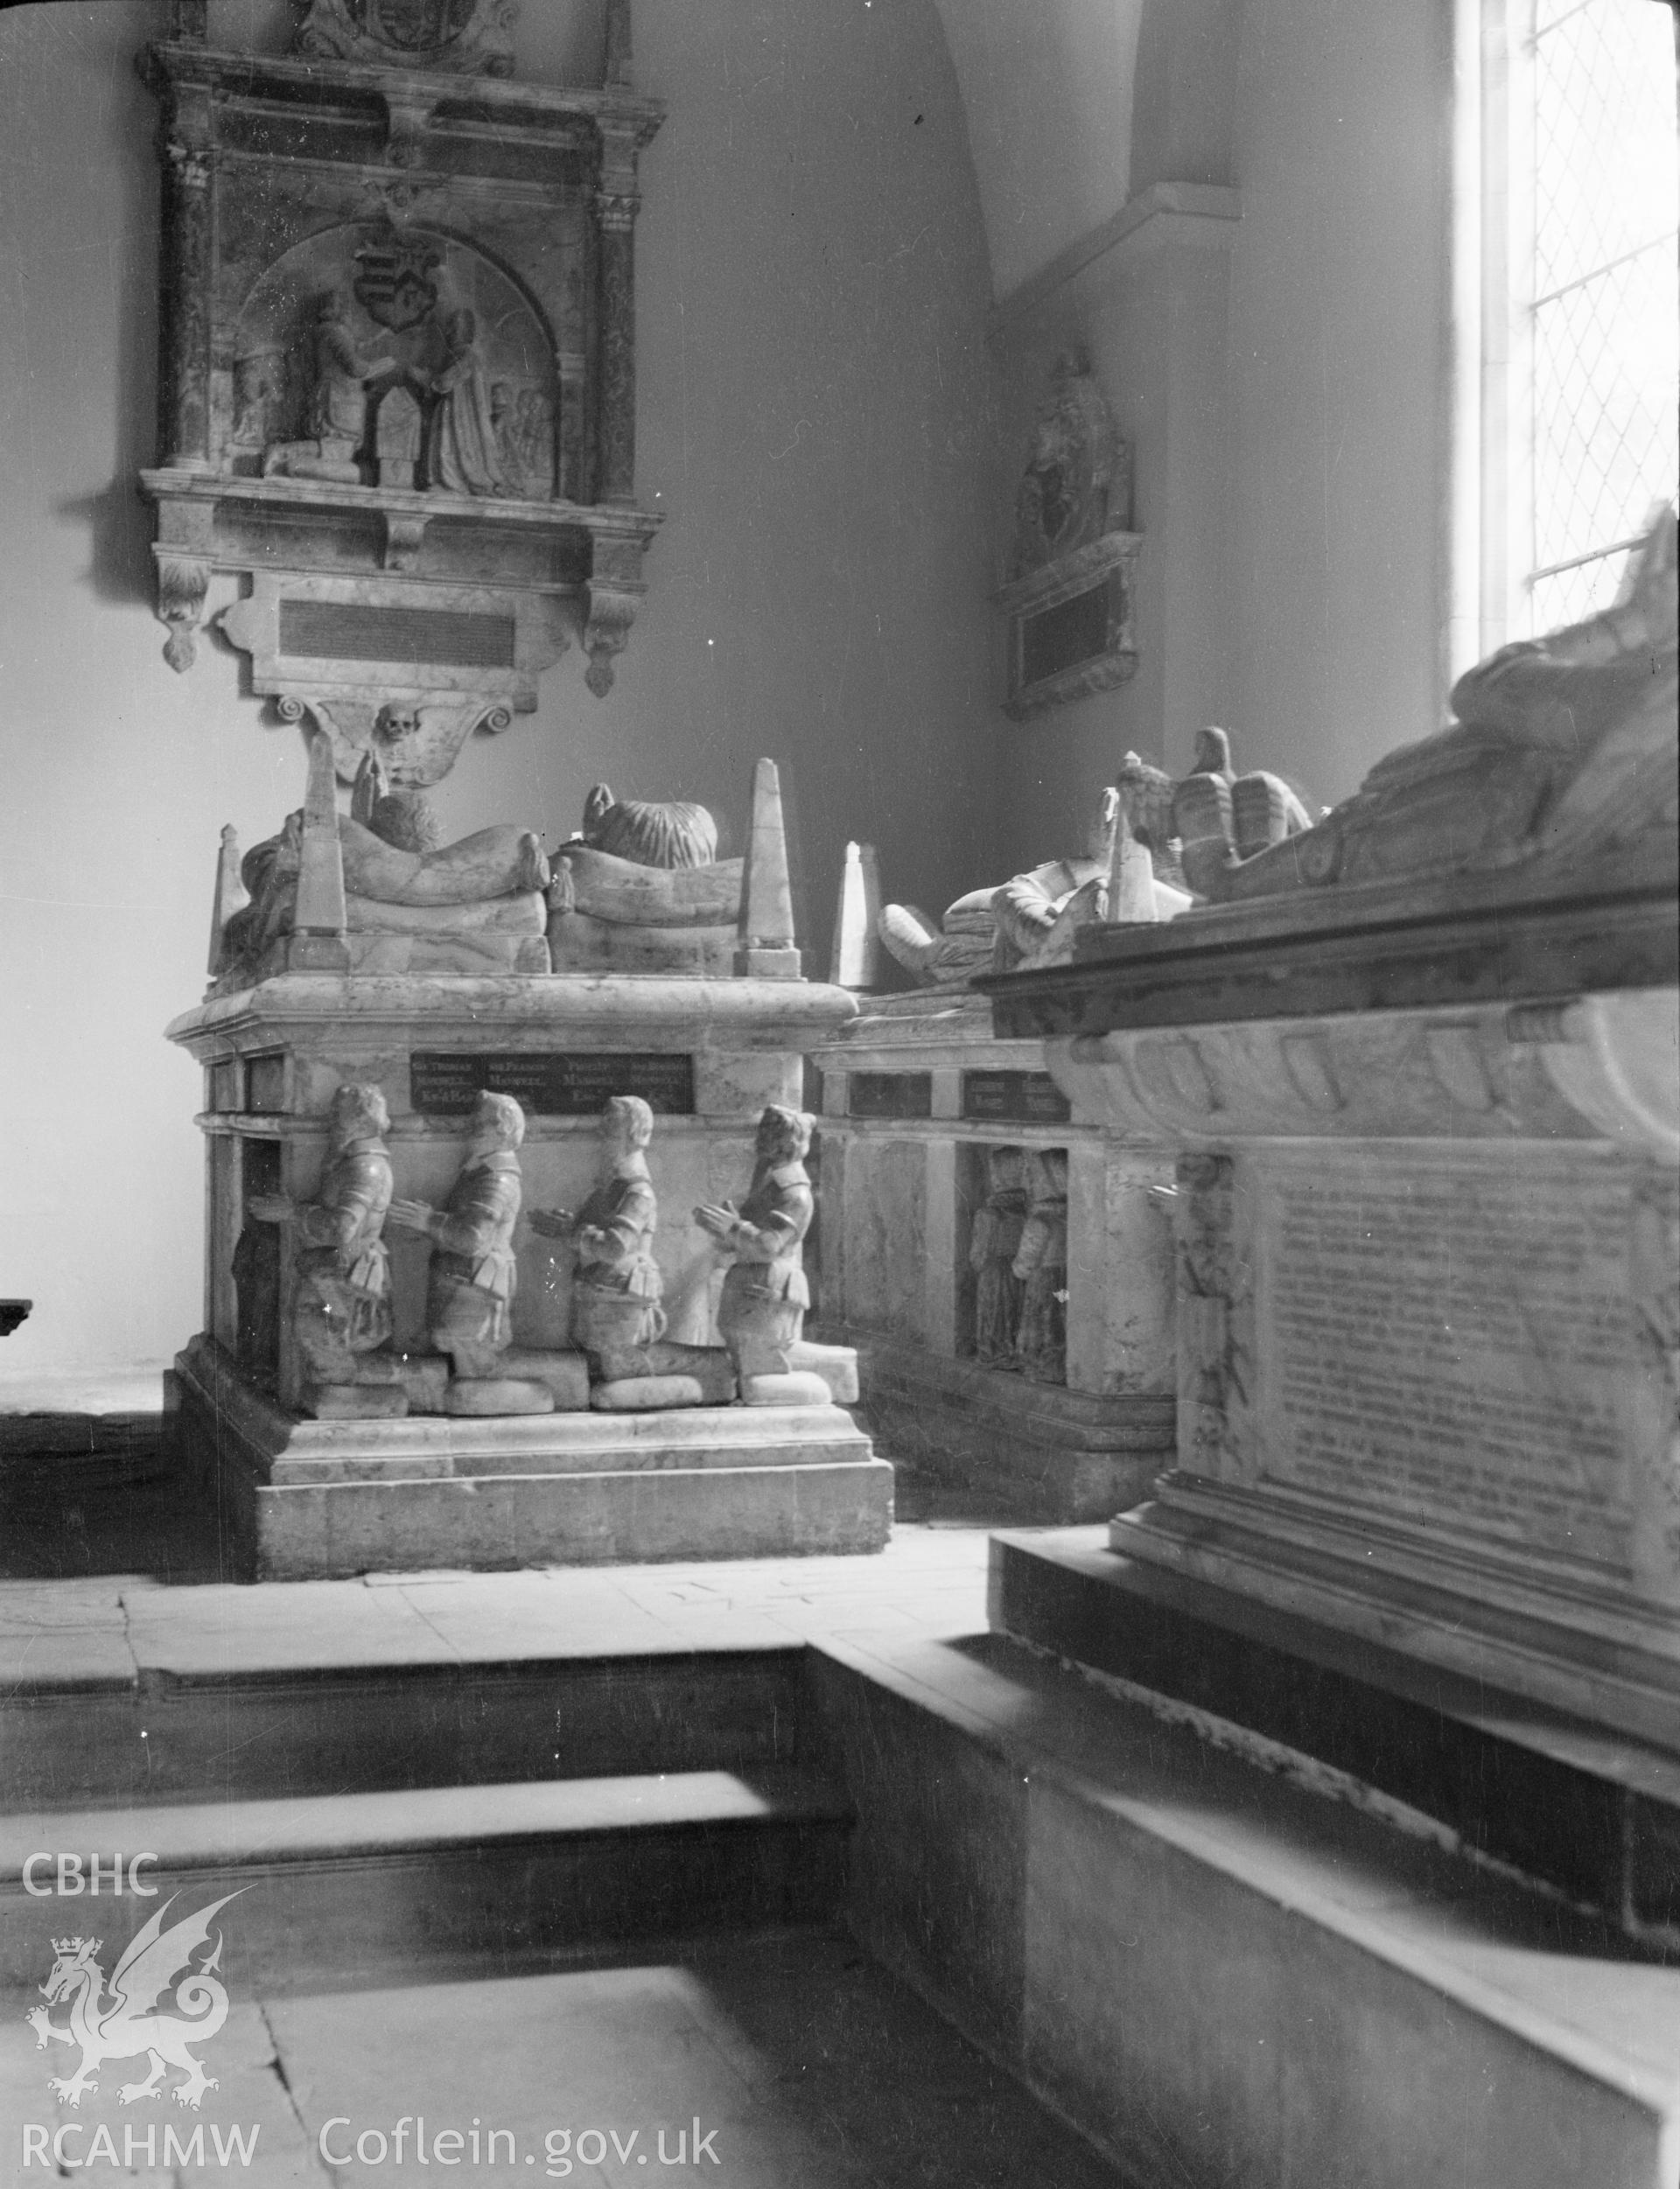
1558	756
482	1416
761	1311
993	1244
1032	918
618	1321
1041	1267
1418	1069
341	1304
331	892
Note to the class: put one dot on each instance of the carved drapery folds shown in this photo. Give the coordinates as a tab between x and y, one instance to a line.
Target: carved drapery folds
397	378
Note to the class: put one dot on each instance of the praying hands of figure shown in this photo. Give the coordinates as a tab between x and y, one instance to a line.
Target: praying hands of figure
723	1221
412	1216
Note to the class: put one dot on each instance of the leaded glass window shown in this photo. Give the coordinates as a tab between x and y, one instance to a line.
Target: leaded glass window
1594	282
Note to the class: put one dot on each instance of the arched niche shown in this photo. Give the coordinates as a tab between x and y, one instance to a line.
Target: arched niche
401	289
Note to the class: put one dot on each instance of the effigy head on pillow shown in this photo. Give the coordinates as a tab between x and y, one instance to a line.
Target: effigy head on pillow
669	835
641	889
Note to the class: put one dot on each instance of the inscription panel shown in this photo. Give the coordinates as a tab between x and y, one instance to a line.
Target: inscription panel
550	1083
1071	631
890	1095
1451	1345
1016	1098
347	630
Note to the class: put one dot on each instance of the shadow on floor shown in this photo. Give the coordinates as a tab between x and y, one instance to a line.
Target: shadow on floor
801	2062
69	1522
932	1501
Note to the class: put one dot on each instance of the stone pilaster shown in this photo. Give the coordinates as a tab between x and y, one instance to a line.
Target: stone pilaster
183	328
615	213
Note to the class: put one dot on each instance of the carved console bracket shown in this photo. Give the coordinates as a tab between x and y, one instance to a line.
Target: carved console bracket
402	404
415	739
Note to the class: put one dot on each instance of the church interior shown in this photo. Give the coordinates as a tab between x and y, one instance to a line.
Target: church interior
847	1352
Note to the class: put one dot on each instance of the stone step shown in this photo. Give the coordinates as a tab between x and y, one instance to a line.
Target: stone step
353	1885
1221	1974
1591	1812
175	1730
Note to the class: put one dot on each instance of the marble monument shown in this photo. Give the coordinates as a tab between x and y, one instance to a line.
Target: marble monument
443	1323
397	356
1417	1070
1003	1261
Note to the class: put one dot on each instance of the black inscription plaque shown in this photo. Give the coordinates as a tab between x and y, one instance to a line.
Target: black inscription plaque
1063	636
1016	1098
890	1094
551	1083
345	631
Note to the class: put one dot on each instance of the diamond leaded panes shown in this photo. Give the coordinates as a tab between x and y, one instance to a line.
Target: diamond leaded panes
1605	293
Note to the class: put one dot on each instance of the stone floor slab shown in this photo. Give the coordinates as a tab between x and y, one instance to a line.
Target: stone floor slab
806	2068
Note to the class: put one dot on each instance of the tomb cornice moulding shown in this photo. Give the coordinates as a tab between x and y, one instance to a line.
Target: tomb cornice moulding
1597	1069
490	106
385	1009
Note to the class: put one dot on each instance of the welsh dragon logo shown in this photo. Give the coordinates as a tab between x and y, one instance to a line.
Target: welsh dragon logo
120	2020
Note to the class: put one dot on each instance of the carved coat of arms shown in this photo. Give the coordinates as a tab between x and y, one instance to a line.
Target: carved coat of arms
124	2018
396	280
415	25
467	35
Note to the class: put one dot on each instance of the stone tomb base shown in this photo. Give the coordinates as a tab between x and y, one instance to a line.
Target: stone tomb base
1036	1449
317	1500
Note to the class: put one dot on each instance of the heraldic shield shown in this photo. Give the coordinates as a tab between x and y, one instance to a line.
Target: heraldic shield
396	279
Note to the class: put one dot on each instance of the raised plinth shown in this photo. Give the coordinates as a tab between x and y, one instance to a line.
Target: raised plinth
1039	1450
1581	1811
315	1500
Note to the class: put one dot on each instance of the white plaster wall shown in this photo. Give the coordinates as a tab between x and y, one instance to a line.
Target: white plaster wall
1289	408
1047	88
814	412
1339	380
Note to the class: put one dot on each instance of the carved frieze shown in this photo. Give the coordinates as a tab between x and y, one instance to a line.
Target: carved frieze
1601	1068
397	346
